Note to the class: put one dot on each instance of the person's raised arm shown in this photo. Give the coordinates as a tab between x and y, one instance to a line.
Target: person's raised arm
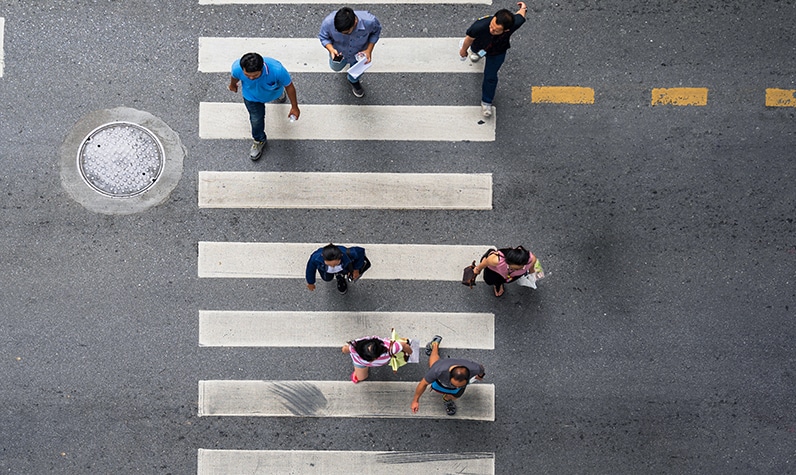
523	9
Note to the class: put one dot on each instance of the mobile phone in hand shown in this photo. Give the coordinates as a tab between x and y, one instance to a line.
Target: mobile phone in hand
337	58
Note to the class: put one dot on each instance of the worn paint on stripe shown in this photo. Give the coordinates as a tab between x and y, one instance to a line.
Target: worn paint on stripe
345	190
330	329
562	95
369	399
229	120
2	40
337	462
274	260
680	96
780	97
306	55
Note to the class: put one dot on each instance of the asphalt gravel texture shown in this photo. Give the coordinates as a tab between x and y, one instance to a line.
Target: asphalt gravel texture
661	340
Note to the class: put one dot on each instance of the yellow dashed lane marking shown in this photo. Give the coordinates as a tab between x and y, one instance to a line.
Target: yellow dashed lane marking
780	97
562	95
680	96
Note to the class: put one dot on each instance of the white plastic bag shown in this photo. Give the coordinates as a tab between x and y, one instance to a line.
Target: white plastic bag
527	280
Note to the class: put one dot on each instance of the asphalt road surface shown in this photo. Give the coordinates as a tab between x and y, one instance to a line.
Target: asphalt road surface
661	340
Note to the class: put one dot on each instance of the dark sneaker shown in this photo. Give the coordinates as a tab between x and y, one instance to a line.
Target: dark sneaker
257	150
450	406
429	345
342	285
357	89
283	98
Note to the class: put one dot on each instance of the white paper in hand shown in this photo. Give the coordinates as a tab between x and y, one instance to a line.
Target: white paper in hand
415	356
356	70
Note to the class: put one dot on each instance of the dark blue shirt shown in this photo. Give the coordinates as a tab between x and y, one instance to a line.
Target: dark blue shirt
353	258
484	40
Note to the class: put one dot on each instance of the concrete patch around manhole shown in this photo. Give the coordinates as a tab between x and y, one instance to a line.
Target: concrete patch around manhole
121	161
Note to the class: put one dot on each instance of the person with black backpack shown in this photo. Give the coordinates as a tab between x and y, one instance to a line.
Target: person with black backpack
332	261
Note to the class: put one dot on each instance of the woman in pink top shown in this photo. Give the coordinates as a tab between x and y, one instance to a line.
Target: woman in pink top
502	266
370	352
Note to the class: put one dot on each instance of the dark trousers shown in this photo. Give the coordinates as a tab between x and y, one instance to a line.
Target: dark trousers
493	278
257	119
489	86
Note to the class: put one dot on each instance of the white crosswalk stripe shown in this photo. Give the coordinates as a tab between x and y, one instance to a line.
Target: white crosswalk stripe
2	40
345	190
331	329
230	120
371	399
331	462
306	55
279	260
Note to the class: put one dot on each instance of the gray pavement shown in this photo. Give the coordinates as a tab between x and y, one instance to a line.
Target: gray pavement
660	342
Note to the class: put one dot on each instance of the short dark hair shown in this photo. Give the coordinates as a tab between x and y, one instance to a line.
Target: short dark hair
460	373
251	62
505	19
517	256
331	252
344	19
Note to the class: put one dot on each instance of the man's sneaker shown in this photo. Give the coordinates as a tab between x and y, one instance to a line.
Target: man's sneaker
283	98
486	109
450	406
474	57
357	89
257	150
430	345
342	285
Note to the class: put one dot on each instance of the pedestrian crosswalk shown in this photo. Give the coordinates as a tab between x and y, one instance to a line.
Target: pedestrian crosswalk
278	260
233	328
229	120
331	462
391	397
345	190
371	399
306	55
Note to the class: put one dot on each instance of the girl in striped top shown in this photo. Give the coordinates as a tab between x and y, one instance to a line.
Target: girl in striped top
370	352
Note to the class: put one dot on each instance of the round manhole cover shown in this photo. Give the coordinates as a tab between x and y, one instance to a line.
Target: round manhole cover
120	159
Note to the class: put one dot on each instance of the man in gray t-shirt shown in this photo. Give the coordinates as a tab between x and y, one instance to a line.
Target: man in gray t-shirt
449	377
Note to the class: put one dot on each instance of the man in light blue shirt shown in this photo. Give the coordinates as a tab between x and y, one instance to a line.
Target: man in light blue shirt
262	80
347	34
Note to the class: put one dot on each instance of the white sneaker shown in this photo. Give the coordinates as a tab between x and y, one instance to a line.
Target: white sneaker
474	57
256	151
486	109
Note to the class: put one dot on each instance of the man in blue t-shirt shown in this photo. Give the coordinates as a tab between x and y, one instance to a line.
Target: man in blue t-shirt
262	80
489	36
